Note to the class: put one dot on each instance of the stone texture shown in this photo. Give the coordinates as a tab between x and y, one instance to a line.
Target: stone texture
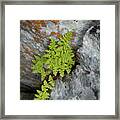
84	81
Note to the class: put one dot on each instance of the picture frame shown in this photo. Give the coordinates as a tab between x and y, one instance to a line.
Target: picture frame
70	2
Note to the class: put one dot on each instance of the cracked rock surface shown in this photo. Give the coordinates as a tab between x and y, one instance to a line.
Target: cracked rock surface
84	81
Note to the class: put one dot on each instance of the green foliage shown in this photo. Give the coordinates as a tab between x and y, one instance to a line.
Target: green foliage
60	56
57	59
44	94
38	67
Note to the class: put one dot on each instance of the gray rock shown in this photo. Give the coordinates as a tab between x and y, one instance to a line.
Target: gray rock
84	81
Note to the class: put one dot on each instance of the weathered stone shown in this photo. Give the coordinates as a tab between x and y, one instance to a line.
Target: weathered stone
84	81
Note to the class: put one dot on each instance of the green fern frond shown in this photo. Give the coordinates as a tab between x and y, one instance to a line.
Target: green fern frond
44	94
57	59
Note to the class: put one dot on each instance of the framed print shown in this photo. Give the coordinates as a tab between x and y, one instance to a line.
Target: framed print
60	59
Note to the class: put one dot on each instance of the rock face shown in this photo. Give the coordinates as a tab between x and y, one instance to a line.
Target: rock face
84	81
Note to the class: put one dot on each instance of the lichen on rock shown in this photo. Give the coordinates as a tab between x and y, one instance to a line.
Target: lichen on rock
84	81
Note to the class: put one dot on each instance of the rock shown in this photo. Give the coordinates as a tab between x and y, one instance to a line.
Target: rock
26	92
84	81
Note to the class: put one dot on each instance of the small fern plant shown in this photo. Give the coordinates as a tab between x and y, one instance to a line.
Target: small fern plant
57	59
44	94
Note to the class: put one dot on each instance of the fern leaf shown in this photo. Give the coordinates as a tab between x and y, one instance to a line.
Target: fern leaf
58	58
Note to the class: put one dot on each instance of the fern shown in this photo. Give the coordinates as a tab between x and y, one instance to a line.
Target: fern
57	59
44	94
60	56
